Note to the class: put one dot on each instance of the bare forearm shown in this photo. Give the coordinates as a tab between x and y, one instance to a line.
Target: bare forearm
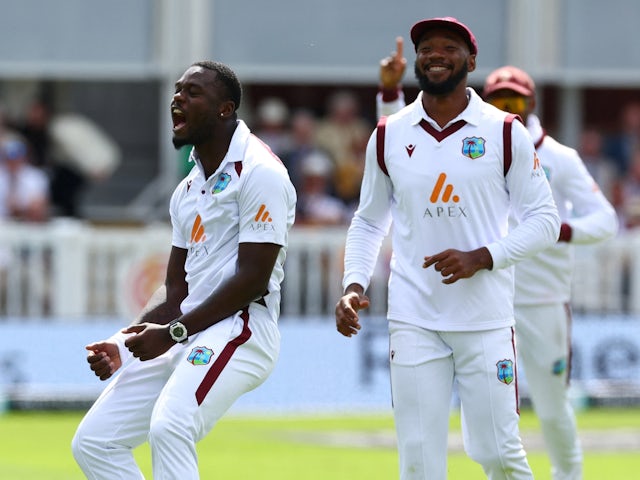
231	297
158	309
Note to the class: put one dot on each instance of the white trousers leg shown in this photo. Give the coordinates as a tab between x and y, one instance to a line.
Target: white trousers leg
543	340
423	367
174	400
486	374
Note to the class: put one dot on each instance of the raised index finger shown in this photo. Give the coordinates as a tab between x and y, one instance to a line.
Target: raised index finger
399	48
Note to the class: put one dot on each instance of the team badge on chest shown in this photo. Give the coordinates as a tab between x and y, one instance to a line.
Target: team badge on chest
473	147
221	183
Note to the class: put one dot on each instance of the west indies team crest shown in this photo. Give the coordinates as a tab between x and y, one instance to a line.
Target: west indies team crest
200	356
473	147
505	371
221	183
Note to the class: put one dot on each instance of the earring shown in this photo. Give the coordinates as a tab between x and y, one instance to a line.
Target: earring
222	114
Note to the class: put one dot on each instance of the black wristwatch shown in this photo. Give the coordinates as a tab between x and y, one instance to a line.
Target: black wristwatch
178	331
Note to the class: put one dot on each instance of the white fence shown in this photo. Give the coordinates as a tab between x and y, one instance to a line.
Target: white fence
71	270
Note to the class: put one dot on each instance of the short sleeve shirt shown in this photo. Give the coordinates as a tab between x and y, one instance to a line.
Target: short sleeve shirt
248	199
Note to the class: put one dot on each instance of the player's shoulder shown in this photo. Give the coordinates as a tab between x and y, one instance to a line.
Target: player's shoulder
401	116
562	155
258	155
261	166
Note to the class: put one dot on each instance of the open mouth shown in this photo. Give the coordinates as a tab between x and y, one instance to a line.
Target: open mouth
178	118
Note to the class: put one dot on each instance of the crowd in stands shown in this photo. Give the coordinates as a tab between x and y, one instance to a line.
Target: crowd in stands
47	160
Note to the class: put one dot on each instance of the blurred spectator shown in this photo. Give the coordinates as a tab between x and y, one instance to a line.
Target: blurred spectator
621	146
7	132
82	153
601	167
303	131
316	205
344	133
272	126
24	189
629	203
71	149
35	130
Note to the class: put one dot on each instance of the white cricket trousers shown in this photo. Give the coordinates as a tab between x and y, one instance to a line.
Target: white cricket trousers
543	334
424	365
174	400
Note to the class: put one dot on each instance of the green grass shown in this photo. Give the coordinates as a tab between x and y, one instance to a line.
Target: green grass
36	445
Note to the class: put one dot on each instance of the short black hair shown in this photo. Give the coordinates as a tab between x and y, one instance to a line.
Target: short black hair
227	77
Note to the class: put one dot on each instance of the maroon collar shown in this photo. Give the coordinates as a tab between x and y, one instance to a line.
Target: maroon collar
440	135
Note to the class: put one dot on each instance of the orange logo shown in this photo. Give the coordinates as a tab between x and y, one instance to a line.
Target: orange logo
536	161
197	231
447	193
263	214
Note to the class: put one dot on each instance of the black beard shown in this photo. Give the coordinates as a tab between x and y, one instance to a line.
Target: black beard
178	143
200	135
442	88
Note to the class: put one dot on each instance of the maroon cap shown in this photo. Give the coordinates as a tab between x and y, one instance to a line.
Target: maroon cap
509	78
450	23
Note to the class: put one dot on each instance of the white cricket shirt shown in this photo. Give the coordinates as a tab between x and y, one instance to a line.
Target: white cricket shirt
446	188
249	198
546	278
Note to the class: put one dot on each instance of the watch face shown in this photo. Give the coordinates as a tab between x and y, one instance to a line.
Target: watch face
178	331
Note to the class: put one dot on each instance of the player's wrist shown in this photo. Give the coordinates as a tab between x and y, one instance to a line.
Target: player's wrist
119	338
390	93
566	232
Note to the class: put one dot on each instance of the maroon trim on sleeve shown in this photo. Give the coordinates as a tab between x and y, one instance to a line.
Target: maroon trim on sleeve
540	140
506	140
390	94
566	232
223	359
381	127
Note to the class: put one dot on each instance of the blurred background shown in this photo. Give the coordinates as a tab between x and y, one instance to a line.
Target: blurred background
85	88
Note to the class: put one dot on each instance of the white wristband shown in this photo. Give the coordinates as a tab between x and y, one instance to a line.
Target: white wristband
119	338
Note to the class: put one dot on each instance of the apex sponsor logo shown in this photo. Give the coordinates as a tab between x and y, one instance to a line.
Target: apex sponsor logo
443	193
197	231
197	238
447	193
263	214
537	171
262	220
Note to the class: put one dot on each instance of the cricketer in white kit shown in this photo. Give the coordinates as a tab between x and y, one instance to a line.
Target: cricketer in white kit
226	214
445	193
